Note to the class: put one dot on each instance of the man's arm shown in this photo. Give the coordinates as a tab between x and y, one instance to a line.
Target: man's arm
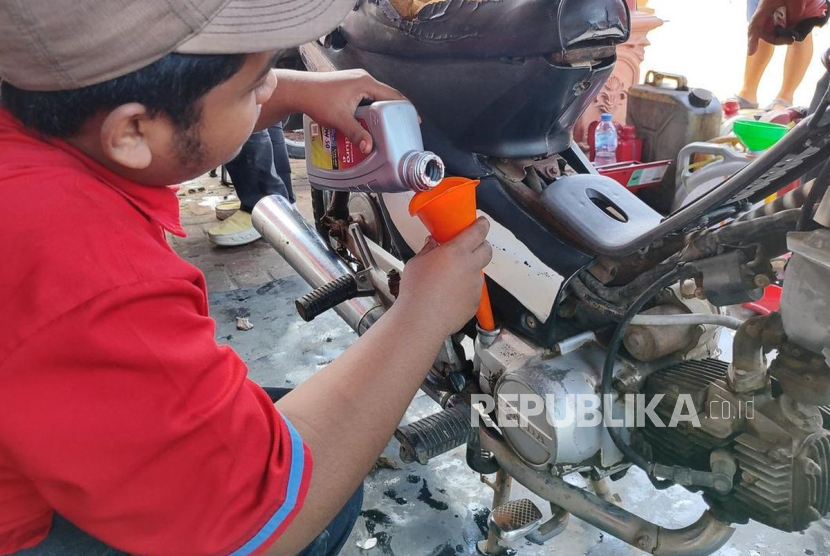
347	412
330	98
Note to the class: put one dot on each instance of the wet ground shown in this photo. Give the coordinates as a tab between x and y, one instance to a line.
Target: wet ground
411	510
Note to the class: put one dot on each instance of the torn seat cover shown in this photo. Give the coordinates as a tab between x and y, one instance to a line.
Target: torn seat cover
484	28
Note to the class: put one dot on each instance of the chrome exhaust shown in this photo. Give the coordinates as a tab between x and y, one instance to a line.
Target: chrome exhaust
302	247
701	538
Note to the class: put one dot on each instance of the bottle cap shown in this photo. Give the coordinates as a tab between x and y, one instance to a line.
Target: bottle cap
606	117
700	98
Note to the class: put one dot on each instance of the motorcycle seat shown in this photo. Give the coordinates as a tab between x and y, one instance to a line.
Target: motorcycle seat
484	28
602	214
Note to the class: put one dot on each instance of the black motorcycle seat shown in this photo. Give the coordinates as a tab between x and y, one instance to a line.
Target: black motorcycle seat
602	214
486	28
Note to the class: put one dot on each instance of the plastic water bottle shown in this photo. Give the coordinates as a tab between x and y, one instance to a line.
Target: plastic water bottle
606	142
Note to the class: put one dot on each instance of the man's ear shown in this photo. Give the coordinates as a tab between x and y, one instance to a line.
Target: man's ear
124	136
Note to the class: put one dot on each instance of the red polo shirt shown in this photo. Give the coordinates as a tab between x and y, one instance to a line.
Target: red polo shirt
118	410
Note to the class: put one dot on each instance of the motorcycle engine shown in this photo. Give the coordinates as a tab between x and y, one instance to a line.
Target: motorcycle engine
566	385
767	422
780	446
772	421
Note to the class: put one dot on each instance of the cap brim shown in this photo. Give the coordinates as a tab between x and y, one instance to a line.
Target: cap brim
245	26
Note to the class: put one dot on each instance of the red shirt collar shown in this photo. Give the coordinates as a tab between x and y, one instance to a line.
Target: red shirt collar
157	203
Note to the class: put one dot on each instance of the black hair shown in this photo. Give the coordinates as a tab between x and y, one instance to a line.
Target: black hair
173	86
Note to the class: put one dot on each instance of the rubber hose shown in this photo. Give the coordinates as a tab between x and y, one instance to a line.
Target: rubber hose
681	272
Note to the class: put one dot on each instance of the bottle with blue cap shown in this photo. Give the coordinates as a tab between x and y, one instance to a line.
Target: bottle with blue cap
606	141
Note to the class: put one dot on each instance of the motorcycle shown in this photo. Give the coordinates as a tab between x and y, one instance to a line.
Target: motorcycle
593	291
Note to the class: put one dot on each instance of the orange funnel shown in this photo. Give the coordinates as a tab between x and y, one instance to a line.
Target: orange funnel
447	210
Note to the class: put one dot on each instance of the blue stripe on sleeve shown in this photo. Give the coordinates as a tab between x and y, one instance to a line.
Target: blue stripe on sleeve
295	478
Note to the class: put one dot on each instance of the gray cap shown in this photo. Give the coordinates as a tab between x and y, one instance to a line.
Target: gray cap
49	45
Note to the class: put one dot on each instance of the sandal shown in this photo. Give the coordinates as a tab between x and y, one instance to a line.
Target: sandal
744	104
778	102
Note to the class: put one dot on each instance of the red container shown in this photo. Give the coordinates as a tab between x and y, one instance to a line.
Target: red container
630	148
636	175
730	108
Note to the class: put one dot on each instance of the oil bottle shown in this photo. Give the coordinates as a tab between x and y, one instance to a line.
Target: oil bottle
397	163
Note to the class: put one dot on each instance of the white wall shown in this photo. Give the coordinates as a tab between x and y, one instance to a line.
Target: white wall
705	40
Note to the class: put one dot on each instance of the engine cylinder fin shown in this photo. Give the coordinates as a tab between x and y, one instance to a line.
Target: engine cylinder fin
819	452
783	478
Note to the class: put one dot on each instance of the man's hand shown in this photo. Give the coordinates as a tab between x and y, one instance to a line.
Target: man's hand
762	27
442	284
329	98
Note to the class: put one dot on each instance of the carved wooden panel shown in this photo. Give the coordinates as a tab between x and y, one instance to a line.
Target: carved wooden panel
613	97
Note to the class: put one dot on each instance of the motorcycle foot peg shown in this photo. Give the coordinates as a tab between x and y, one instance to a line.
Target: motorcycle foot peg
514	520
329	296
436	434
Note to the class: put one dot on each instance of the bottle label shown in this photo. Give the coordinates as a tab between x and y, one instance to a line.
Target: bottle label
331	150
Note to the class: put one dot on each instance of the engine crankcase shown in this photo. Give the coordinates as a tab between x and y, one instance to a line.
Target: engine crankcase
539	407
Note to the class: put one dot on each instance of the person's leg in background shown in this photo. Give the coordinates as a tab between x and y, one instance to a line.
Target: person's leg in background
755	66
254	177
282	164
753	72
799	55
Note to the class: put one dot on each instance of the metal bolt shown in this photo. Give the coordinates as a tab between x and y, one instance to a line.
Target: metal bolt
531	322
722	484
643	542
581	87
687	289
762	280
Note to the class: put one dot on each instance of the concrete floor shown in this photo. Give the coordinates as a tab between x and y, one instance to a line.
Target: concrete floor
434	510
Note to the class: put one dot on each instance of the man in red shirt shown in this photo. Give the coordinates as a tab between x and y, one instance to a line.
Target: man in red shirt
124	427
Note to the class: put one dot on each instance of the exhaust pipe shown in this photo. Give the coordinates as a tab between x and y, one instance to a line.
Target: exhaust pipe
701	538
284	228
